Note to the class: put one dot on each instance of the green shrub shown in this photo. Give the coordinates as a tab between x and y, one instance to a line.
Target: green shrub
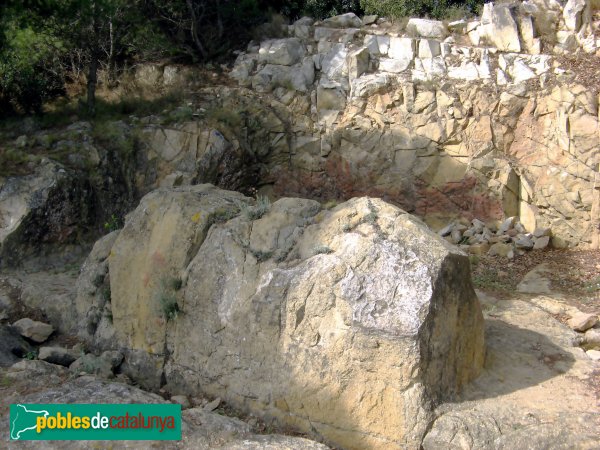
113	224
169	306
262	206
439	9
30	68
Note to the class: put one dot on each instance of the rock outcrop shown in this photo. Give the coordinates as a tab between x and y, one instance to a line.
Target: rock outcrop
349	323
484	124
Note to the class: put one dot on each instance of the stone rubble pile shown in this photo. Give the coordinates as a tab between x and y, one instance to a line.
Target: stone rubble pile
509	239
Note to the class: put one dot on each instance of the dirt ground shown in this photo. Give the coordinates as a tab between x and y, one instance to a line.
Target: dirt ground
576	274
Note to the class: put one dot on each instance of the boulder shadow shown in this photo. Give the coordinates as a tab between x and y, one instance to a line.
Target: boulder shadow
516	358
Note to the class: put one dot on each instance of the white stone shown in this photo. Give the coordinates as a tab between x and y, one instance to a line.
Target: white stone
429	48
499	28
593	355
394	65
401	48
467	71
521	72
572	14
334	64
369	84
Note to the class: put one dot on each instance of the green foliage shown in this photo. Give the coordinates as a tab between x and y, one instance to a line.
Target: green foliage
113	224
439	9
319	9
179	115
30	67
225	116
167	297
260	255
593	285
169	306
175	283
5	381
256	211
224	214
487	279
106	294
31	355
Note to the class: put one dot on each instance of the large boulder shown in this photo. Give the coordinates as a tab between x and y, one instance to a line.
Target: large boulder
349	324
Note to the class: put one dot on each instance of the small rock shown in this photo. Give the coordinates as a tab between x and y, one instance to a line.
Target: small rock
456	236
536	281
34	330
593	354
479	249
368	20
213	405
57	355
446	230
478	225
506	225
583	321
539	232
181	400
541	243
500	249
591	339
520	228
525	242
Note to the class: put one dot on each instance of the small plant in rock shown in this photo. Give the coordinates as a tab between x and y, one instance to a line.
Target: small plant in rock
262	206
31	355
371	217
330	204
223	215
176	283
260	255
179	115
169	306
112	224
347	228
106	294
322	250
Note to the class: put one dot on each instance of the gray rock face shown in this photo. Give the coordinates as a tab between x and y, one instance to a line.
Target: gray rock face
285	52
40	208
298	315
12	346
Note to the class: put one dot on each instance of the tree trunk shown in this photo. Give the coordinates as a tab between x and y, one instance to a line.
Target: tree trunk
93	68
195	21
112	71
